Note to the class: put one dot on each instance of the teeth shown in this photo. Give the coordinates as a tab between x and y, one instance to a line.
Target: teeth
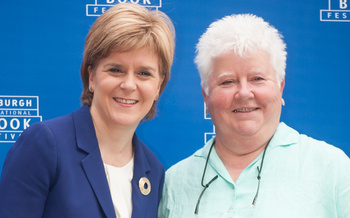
244	110
125	101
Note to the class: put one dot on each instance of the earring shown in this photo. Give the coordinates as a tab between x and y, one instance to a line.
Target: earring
157	97
90	89
283	102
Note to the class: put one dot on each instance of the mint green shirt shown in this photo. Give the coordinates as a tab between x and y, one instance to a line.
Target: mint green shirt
301	178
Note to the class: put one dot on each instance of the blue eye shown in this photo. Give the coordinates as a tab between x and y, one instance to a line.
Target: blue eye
145	73
227	82
258	78
115	70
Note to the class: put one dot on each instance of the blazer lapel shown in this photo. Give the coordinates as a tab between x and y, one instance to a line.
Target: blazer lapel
92	163
141	168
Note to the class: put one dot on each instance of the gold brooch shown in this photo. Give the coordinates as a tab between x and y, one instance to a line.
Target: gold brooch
144	186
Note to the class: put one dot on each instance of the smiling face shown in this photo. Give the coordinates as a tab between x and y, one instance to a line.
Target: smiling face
244	98
125	86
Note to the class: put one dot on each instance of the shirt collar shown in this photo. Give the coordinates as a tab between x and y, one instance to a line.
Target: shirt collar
284	136
214	161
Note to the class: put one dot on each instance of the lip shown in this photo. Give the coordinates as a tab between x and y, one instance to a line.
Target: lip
245	109
124	101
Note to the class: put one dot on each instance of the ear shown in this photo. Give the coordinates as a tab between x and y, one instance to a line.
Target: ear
204	96
206	105
159	86
160	83
282	86
91	76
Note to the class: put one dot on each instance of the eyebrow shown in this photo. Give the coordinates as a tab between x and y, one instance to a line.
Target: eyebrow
112	64
121	66
148	68
257	70
224	74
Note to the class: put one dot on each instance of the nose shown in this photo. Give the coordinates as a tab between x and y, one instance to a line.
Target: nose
244	91
128	83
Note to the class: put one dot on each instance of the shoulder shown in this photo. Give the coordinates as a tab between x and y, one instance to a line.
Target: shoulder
186	169
315	154
323	168
181	184
65	123
62	127
307	145
43	137
321	150
35	151
46	131
323	156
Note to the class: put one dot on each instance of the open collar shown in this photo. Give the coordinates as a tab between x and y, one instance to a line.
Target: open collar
92	163
94	169
284	136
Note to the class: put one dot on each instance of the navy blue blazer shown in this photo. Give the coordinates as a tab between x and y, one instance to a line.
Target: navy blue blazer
55	169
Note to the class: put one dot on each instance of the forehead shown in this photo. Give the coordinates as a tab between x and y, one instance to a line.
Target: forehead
231	63
140	56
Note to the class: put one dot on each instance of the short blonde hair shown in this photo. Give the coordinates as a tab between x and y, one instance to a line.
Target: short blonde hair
126	27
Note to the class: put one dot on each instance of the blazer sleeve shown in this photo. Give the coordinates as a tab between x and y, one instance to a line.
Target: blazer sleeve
28	172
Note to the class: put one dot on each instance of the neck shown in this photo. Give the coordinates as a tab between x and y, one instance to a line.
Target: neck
236	154
115	143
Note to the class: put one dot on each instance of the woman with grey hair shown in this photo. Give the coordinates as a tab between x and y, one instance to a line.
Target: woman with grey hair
91	163
255	166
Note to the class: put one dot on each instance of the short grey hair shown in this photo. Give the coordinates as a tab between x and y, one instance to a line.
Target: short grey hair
241	33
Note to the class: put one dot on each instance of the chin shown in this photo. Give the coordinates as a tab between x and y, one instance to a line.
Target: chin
247	129
124	120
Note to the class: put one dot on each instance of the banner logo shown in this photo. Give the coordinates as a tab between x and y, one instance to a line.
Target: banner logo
17	113
338	11
208	135
101	6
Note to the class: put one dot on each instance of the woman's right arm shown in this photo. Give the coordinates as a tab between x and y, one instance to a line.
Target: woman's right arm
28	173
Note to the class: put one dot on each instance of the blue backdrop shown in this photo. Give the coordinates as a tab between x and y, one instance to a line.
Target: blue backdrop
41	44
